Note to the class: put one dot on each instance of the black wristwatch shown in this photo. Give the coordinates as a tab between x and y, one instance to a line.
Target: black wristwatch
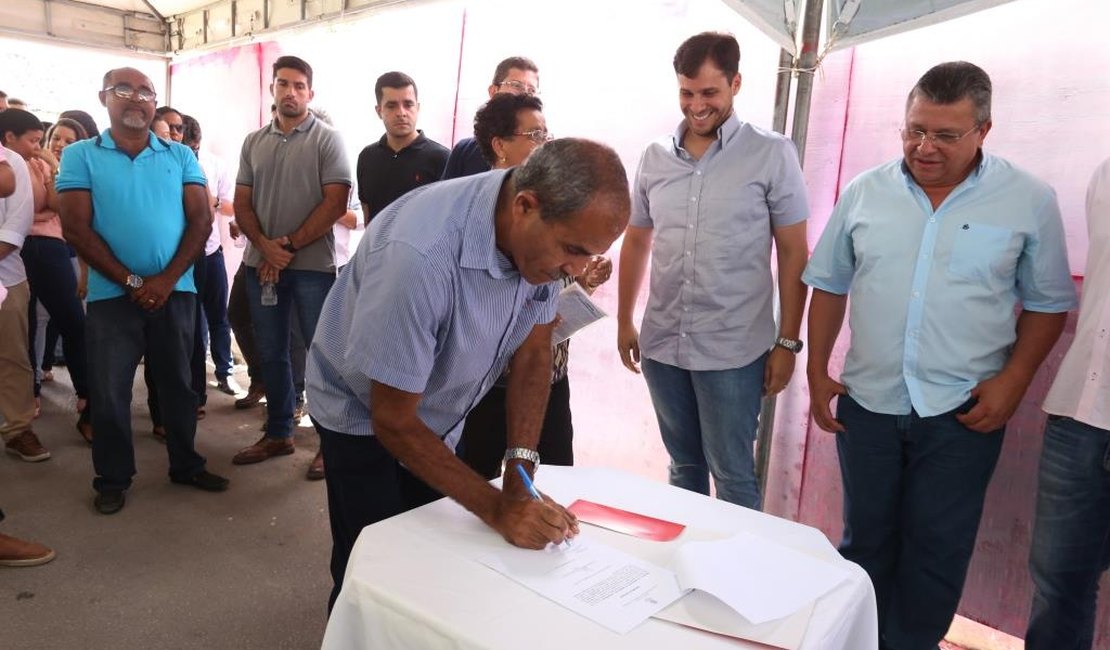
790	344
288	245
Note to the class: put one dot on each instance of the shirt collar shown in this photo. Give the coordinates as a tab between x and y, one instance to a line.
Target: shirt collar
302	127
153	143
415	145
725	133
971	180
479	246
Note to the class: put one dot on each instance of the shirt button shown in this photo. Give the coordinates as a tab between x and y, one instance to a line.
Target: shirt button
685	309
916	294
682	334
932	219
685	282
693	199
687	252
689	226
698	172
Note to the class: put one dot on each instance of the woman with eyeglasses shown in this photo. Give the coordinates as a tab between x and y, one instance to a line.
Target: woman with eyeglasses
509	128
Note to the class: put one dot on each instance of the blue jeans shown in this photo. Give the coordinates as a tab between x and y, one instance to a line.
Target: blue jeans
913	494
215	324
302	292
53	283
708	420
119	333
1071	536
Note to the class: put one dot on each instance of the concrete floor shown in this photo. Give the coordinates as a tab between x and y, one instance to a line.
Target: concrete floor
177	568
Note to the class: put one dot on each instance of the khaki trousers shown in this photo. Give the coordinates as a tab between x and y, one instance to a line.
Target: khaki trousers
17	396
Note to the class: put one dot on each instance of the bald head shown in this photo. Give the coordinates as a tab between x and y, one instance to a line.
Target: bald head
569	173
130	102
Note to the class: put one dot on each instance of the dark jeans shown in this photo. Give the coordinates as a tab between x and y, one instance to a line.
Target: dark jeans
119	333
198	374
50	276
913	494
214	300
485	435
239	315
1071	536
298	292
365	485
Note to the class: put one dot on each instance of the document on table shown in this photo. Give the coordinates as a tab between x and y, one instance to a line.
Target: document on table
761	580
607	586
576	310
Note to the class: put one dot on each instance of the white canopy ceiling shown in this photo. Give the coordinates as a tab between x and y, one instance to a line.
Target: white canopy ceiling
849	22
140	24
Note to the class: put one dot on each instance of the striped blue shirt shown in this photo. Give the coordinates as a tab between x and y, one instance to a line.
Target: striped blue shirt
932	294
426	305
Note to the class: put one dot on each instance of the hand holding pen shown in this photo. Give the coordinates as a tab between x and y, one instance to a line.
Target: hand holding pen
536	496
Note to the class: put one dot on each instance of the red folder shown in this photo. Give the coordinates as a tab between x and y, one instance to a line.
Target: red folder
623	521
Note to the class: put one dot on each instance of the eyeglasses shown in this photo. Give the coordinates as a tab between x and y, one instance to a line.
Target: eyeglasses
942	139
123	91
539	136
520	87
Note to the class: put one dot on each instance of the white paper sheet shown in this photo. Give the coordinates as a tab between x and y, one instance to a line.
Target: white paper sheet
761	580
607	586
576	310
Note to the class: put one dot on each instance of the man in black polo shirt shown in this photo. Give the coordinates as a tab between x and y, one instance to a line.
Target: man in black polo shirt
403	159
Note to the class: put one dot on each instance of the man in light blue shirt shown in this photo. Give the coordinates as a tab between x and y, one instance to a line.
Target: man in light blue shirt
708	202
452	284
936	250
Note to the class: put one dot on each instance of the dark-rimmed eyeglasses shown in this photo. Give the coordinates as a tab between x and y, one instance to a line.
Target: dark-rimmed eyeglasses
942	139
520	87
124	91
539	136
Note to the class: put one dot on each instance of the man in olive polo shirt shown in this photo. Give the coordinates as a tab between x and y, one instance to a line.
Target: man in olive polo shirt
136	210
403	159
293	185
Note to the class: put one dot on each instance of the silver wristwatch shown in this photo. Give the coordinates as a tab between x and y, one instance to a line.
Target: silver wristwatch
523	453
133	281
793	345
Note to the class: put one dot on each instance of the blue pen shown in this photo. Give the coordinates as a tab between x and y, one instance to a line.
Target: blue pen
531	487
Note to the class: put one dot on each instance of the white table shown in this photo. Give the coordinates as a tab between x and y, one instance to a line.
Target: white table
412	581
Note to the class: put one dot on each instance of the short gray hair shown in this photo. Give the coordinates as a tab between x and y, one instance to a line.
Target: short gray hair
948	83
566	174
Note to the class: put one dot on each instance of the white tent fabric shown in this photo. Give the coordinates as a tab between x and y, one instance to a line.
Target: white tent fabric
850	22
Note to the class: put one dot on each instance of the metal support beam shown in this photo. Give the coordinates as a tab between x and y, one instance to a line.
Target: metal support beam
84	24
811	31
811	35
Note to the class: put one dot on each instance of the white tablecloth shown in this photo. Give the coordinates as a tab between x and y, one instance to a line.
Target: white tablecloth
412	581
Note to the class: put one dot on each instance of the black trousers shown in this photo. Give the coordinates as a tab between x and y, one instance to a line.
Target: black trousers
365	485
485	434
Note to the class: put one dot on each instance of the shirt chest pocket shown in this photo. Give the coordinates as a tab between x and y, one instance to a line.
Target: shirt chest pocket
983	253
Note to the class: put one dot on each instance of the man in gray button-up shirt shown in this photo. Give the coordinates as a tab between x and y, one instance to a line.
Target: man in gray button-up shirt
293	184
707	203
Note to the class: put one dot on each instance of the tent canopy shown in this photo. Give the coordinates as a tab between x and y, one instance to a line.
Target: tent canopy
850	22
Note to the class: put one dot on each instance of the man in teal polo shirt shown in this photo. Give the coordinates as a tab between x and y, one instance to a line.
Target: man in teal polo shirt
135	208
